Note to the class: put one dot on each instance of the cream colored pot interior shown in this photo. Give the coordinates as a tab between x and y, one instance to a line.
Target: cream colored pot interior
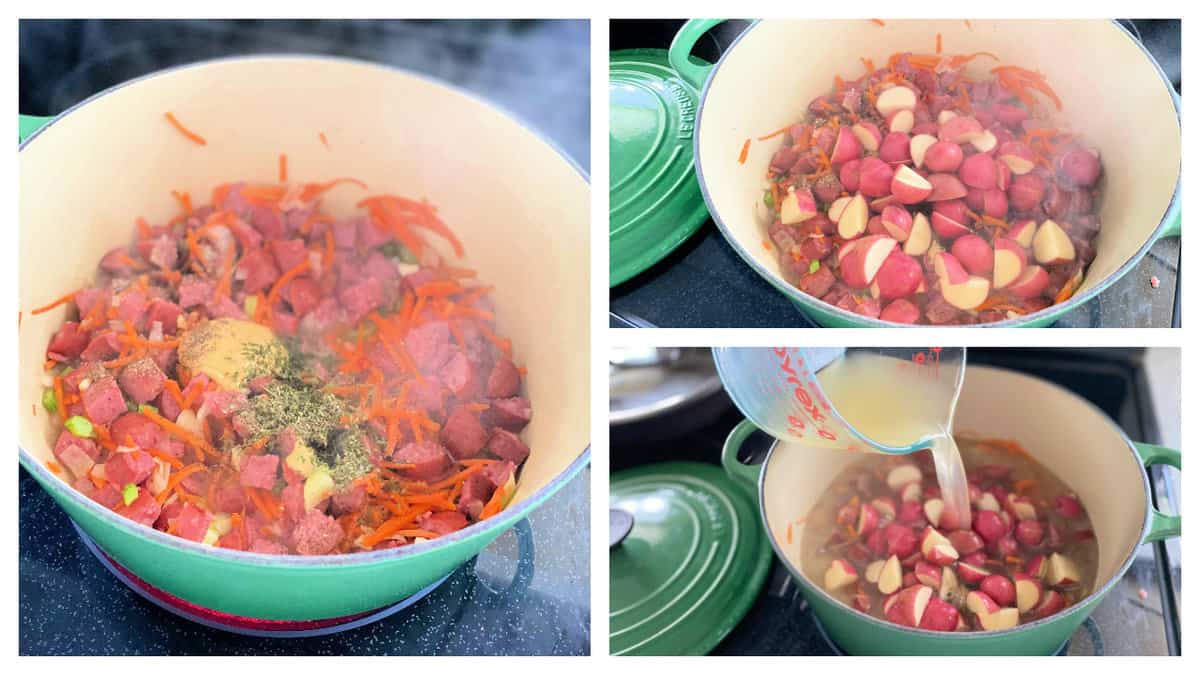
1111	91
1062	431
520	209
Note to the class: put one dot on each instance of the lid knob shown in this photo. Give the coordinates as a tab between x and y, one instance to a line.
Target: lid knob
620	524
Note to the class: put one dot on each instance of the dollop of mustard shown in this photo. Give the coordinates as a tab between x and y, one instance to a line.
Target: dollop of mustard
232	351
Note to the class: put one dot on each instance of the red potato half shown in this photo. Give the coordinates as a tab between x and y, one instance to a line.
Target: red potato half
1052	245
1008	262
897	221
1052	602
838	207
940	615
860	266
971	574
1030	283
936	548
990	615
948	269
1017	156
985	142
868	135
945	186
797	206
919	237
959	129
1061	571
909	187
853	218
1028	590
890	576
943	156
841	573
846	148
899	277
895	99
908	606
967	295
901	121
903	475
872	571
868	520
1000	588
974	254
917	147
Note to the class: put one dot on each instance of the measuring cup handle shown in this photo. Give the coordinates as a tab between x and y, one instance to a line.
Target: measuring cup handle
1162	526
742	474
693	71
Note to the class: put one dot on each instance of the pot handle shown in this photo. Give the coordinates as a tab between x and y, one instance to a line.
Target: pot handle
28	125
742	474
1162	526
693	71
1174	226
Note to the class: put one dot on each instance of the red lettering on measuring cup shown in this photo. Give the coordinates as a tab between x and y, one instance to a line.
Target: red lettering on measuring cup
827	435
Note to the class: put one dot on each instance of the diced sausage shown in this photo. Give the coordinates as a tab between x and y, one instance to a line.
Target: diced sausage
371	235
142	380
429	460
316	534
103	401
462	434
459	377
284	323
225	308
303	294
194	291
136	430
257	271
87	298
268	546
362	297
293	501
103	347
246	235
267	220
259	471
167	313
108	495
78	455
429	345
349	500
477	490
191	523
510	413
131	307
123	468
507	445
67	343
499	473
504	380
429	395
118	262
144	509
229	498
379	266
163	252
288	253
442	522
345	232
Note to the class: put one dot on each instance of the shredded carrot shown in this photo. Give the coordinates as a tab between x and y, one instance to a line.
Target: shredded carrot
789	533
494	505
177	478
968	23
283	169
939	43
263	502
187	436
878	22
1024	485
58	395
190	135
868	64
1066	291
166	457
185	201
775	133
324	140
283	280
54	467
46	308
745	152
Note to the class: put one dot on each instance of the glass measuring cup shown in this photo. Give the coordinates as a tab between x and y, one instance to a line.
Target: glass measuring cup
777	388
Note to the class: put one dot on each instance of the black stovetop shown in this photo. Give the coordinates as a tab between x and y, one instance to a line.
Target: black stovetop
70	604
1125	622
704	283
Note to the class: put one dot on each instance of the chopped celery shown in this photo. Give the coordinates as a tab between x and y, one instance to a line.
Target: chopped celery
80	426
129	493
49	400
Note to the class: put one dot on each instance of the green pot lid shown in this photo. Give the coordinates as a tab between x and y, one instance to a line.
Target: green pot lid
654	198
692	564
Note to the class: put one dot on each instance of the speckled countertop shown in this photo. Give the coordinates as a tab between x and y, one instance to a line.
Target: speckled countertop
536	70
704	283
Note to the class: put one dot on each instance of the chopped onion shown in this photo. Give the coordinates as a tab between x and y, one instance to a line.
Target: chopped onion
188	421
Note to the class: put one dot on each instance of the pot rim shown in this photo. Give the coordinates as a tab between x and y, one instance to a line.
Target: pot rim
1096	593
1051	313
497	524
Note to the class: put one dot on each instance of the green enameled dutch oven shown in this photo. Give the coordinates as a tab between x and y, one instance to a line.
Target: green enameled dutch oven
1066	433
520	208
1113	93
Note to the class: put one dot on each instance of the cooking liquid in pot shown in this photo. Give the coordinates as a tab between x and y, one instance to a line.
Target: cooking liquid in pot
1044	526
899	403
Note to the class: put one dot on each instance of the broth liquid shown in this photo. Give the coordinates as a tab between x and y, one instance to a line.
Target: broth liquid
898	402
